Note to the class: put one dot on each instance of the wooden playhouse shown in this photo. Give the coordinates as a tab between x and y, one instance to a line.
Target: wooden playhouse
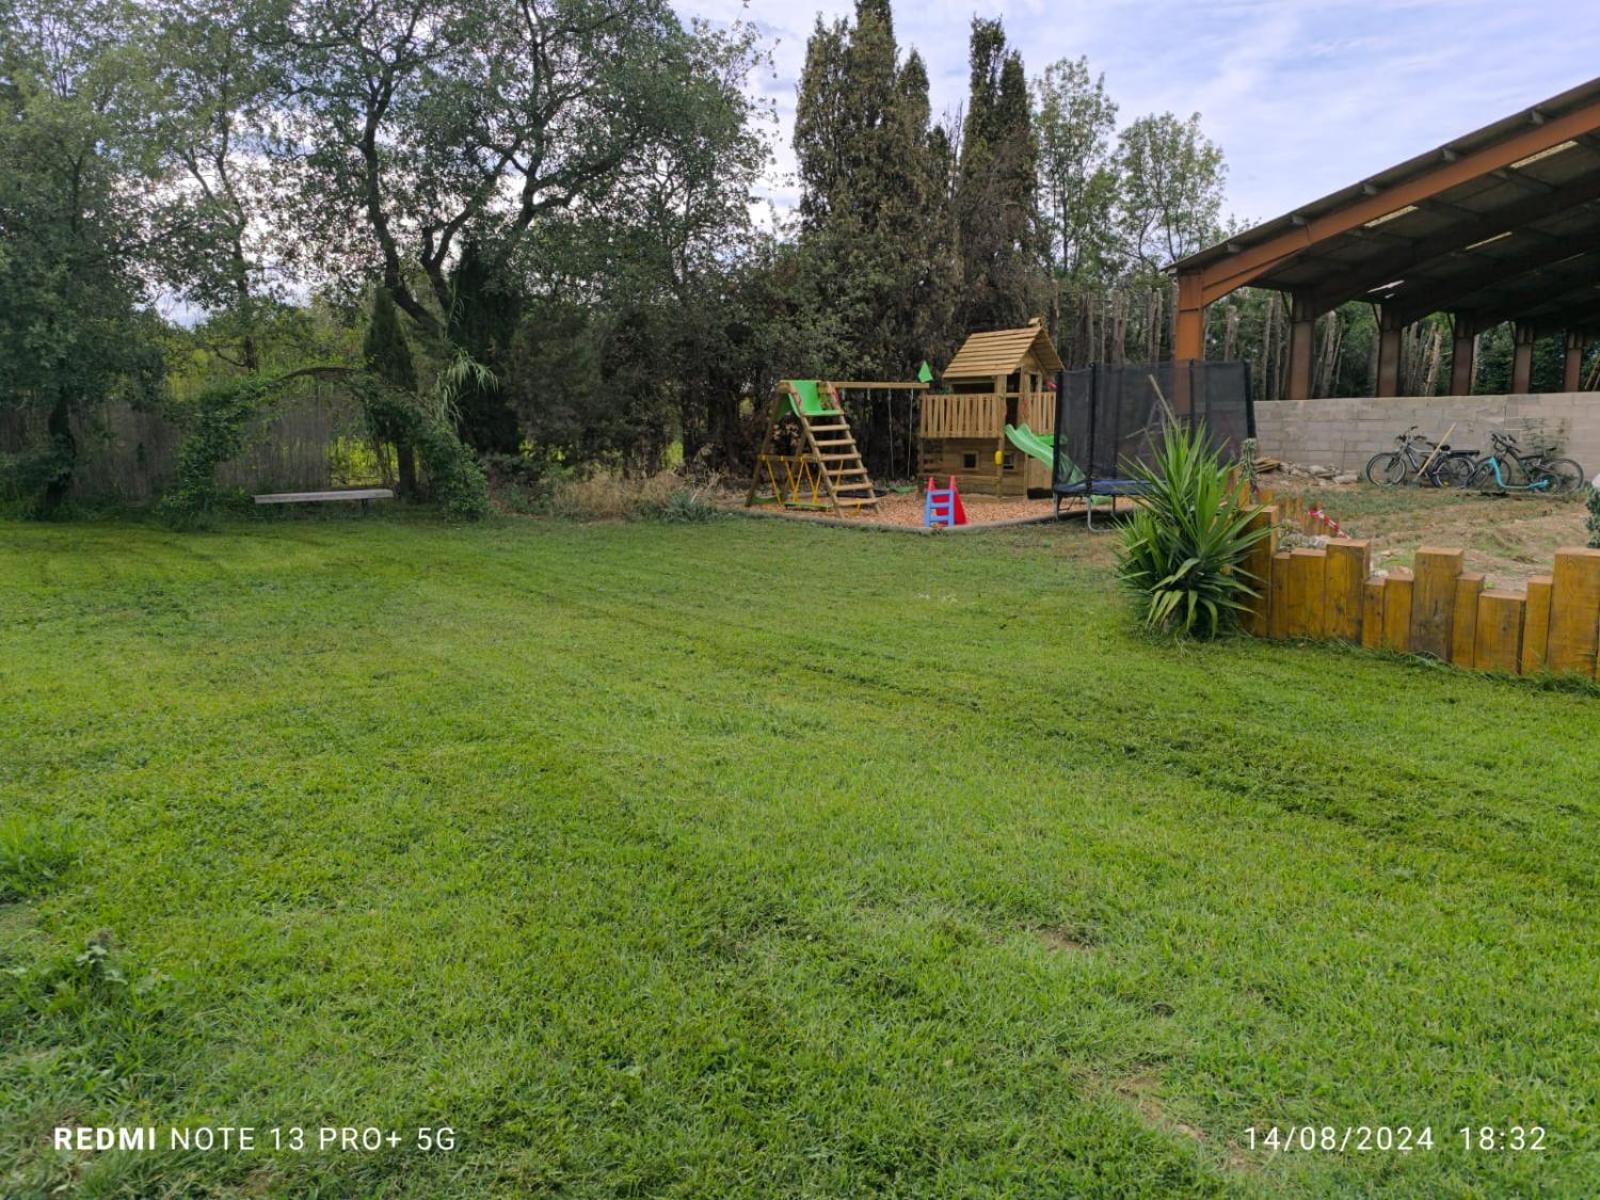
996	379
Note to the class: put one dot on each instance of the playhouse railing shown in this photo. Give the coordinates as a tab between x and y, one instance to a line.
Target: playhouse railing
982	414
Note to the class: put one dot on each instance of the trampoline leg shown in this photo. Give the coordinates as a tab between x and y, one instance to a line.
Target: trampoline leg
1088	512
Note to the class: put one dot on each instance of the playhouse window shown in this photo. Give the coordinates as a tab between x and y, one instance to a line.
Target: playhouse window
969	461
1011	462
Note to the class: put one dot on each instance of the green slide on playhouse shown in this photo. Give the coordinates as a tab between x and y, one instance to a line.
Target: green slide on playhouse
1031	444
812	403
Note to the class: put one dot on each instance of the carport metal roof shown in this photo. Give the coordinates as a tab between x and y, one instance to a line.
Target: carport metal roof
1501	224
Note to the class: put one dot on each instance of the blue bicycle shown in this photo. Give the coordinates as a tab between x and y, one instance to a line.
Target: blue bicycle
1507	469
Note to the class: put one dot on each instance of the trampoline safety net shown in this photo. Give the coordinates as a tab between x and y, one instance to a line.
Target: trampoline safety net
1112	415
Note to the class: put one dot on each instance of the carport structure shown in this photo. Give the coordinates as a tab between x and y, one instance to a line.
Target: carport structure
1500	225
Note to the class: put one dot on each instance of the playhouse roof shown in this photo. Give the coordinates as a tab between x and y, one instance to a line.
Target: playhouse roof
1002	351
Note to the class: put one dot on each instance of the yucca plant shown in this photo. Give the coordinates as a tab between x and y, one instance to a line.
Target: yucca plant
1184	548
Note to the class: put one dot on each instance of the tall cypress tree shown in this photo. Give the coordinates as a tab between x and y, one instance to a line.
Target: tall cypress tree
1003	279
875	207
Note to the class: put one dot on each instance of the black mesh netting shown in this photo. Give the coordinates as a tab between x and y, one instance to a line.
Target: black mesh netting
1108	416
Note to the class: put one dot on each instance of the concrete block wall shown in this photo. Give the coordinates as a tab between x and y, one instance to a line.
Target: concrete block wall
1344	434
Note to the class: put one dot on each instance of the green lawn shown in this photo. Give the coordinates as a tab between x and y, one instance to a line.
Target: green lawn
752	859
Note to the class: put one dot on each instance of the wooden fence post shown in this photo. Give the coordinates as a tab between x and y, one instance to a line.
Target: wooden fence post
1279	613
1574	610
1433	601
1536	625
1464	628
1258	620
1348	566
1397	600
1372	613
1308	575
1497	645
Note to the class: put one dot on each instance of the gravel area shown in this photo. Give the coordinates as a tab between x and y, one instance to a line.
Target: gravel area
906	509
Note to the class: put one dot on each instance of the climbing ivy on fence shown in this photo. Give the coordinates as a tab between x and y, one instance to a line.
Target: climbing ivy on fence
216	433
221	416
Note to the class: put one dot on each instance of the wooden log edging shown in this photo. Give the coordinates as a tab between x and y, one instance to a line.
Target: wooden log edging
1436	610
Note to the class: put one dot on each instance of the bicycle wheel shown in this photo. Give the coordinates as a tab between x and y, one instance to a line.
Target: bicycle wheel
1454	470
1483	478
1387	469
1565	476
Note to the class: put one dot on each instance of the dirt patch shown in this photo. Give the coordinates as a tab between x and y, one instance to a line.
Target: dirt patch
1507	539
1063	940
1143	1091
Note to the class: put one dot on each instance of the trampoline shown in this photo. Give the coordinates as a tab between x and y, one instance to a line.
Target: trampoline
1110	417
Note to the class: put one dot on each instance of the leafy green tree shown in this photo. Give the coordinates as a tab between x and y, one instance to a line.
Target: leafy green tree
1170	198
435	125
1076	121
216	83
632	333
75	332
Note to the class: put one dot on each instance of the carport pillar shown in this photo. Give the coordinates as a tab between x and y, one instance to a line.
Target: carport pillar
1522	360
1463	358
1302	349
1387	385
1188	338
1572	367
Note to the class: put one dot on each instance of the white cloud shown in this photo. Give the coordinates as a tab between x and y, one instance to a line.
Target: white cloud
1303	96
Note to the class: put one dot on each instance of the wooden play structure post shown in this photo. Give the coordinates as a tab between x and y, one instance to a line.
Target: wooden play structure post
827	462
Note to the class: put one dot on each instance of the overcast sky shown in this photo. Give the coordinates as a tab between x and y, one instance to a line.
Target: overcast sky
1303	96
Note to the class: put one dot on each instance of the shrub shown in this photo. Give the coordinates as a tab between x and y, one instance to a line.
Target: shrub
683	504
1183	550
602	497
1593	523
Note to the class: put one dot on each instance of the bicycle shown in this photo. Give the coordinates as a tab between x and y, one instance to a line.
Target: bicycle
1506	465
1448	468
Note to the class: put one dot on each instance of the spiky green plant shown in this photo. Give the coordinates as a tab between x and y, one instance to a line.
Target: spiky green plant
1183	550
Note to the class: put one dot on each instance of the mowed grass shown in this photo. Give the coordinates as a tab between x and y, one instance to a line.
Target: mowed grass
756	859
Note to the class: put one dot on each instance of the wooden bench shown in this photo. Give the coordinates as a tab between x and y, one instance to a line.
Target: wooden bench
361	494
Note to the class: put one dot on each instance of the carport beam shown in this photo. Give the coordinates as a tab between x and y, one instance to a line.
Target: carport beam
1463	359
1302	350
1572	367
1388	381
1188	337
1522	360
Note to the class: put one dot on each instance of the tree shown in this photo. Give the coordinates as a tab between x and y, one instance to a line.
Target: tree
388	356
876	219
74	330
1171	190
1075	120
997	192
438	124
216	84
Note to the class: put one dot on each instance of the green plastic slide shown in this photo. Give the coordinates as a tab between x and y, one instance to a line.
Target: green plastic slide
1034	446
1031	444
811	402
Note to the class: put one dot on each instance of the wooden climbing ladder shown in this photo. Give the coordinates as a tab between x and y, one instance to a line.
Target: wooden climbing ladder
829	456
